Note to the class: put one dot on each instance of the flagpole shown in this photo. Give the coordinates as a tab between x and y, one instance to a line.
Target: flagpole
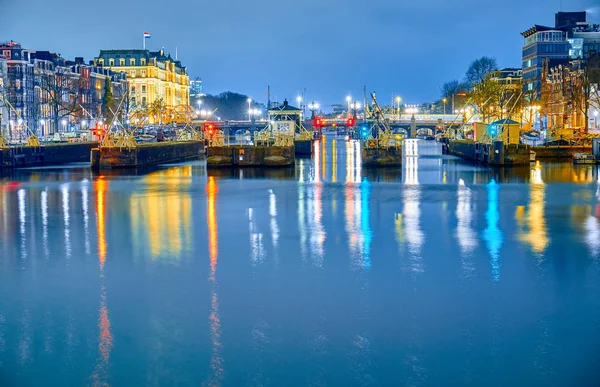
144	40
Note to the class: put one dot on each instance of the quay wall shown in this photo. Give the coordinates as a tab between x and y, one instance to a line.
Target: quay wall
303	147
381	157
559	152
50	154
250	156
495	154
146	154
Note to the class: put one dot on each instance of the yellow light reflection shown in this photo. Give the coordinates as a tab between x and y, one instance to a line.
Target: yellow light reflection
216	361
161	216
533	219
105	340
101	187
334	161
213	236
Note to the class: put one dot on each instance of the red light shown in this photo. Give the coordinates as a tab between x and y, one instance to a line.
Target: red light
350	121
210	132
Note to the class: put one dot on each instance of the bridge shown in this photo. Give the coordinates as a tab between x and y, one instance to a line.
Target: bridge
403	121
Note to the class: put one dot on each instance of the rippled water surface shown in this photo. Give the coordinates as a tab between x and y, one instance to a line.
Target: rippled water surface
435	273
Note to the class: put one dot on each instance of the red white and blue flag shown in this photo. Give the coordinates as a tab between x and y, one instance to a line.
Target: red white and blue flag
146	35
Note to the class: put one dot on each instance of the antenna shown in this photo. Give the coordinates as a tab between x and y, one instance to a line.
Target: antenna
175	52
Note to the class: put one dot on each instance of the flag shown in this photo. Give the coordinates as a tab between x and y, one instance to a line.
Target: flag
146	35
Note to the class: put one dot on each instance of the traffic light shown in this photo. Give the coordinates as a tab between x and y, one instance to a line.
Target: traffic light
209	128
318	122
493	130
350	122
364	131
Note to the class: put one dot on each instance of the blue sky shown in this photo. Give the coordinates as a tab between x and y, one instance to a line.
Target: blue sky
332	48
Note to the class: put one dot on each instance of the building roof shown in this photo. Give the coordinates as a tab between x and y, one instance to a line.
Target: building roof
536	28
140	53
286	107
505	121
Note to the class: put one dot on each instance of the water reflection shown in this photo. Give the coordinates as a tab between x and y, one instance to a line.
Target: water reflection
86	216
492	234
216	361
532	223
105	339
66	218
411	212
467	238
44	206
161	215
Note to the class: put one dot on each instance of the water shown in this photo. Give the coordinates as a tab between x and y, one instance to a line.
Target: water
436	273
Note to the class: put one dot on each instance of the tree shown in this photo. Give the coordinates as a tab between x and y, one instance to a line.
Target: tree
157	110
108	101
63	90
479	69
455	93
230	105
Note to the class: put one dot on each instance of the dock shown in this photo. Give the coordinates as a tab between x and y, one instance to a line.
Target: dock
145	154
45	154
495	153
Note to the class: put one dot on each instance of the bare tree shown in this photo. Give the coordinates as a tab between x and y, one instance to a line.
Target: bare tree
479	69
63	91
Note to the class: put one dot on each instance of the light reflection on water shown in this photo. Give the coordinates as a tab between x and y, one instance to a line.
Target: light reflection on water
233	278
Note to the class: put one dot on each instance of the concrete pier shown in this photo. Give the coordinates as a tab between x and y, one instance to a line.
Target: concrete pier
144	155
48	154
496	153
374	157
249	156
303	147
559	152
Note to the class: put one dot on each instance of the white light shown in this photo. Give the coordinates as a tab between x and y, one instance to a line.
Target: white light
596	113
42	121
348	98
20	121
83	123
199	103
299	99
316	106
64	122
249	100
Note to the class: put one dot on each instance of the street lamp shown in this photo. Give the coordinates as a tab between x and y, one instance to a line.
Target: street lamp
398	100
444	100
64	122
596	119
42	122
348	99
355	106
249	107
199	103
313	106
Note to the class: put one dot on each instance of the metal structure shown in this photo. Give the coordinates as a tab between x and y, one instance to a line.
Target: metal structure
380	135
32	139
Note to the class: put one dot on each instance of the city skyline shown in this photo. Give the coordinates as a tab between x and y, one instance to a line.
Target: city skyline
333	57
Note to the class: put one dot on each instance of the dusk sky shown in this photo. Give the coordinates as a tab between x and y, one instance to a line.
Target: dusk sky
331	48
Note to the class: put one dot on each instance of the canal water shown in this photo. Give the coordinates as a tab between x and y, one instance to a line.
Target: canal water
435	273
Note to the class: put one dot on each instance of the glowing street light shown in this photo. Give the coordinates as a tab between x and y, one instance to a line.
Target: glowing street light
199	103
444	100
249	107
348	99
398	100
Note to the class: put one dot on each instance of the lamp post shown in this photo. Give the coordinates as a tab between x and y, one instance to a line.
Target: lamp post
42	122
596	119
313	106
20	128
355	106
299	102
444	100
199	102
398	100
249	107
348	99
64	122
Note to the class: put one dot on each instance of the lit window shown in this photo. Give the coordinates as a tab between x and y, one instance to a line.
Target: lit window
132	62
143	89
121	62
111	62
143	61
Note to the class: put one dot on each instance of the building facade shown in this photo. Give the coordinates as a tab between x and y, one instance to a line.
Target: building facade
44	93
572	37
154	79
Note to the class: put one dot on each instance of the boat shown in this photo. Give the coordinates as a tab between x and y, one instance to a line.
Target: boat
145	138
584	158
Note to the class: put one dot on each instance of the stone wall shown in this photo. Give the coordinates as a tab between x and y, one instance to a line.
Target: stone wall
496	154
381	157
148	154
559	152
250	156
26	156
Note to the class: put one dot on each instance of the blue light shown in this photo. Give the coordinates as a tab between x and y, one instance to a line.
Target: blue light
365	227
492	234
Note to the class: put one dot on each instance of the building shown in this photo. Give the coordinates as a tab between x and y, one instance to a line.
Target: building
46	93
155	79
18	90
196	88
572	37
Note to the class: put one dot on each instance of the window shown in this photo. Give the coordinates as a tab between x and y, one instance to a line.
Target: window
133	101
132	73
132	89
144	73
143	101
143	89
132	62
121	62
101	62
143	61
111	62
